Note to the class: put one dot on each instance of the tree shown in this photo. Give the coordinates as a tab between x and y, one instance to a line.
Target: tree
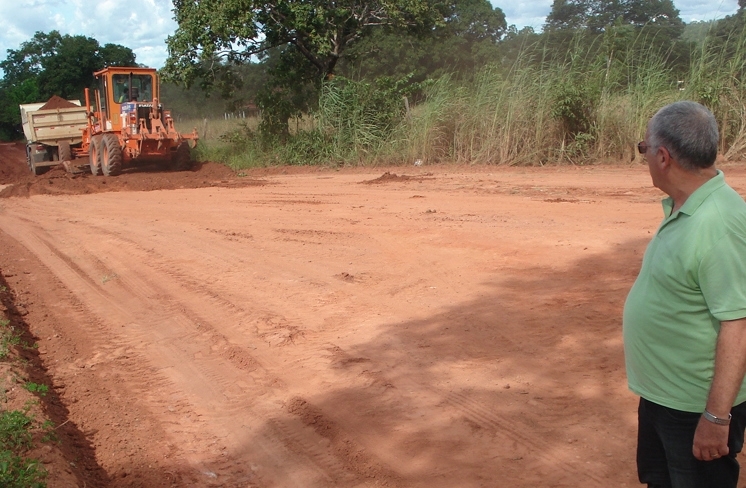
474	20
466	38
732	25
52	64
567	14
239	30
595	15
61	65
213	34
469	37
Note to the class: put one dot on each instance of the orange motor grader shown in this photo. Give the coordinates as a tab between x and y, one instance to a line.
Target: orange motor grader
129	126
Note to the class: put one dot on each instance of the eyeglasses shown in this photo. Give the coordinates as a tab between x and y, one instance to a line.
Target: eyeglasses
642	147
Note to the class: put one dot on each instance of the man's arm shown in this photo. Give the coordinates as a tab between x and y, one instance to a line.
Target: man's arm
710	439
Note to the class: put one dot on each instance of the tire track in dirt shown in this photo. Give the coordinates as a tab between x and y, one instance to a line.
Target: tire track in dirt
505	428
508	430
115	358
164	312
334	468
467	409
108	312
195	291
306	444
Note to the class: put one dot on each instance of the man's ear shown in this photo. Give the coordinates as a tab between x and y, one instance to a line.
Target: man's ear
663	158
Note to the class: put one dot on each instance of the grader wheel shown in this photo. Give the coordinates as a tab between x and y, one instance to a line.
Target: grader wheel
181	160
94	156
111	155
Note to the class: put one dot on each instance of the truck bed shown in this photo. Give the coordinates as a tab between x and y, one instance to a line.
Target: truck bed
54	125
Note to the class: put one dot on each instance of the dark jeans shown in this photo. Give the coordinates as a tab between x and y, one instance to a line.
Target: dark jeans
664	449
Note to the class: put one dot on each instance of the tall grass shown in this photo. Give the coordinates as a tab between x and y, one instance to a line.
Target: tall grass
589	105
718	79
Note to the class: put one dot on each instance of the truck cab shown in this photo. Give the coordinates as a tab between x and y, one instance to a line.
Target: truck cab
118	87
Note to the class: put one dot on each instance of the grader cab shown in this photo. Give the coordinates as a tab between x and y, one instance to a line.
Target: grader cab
128	126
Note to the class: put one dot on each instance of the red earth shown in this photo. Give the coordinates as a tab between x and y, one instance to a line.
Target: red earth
424	326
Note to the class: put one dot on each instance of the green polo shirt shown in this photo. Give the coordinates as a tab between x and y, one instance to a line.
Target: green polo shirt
693	276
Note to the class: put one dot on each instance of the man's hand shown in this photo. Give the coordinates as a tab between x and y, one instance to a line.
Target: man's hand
710	440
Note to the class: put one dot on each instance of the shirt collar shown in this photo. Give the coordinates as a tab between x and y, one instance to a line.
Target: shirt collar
695	199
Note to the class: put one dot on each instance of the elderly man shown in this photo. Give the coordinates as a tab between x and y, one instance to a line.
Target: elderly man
685	316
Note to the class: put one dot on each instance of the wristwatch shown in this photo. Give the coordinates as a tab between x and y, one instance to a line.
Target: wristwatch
716	420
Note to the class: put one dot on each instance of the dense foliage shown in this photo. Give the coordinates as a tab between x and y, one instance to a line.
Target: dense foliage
304	42
237	30
474	91
596	15
52	64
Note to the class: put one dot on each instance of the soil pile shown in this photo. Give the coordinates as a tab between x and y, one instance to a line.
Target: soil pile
389	177
13	165
57	102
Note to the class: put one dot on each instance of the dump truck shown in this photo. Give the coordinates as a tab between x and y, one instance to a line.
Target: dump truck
128	125
52	130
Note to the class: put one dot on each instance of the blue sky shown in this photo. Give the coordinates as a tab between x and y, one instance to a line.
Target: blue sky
143	25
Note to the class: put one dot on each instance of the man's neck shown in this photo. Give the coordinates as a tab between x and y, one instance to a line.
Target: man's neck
687	182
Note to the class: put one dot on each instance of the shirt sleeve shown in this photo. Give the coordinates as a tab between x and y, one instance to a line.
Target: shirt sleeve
722	278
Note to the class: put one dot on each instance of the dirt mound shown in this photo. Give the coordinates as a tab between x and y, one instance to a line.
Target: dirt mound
389	177
20	182
57	102
13	165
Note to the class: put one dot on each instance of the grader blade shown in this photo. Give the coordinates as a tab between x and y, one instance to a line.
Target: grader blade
77	166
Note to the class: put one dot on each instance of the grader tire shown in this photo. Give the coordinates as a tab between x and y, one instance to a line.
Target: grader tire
111	155
181	160
94	156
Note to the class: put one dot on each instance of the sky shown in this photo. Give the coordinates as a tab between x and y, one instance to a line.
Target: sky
143	25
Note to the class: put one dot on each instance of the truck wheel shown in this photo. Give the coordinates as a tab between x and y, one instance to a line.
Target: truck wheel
64	151
37	170
30	159
111	155
181	160
94	155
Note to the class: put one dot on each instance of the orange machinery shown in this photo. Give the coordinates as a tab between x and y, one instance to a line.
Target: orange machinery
127	124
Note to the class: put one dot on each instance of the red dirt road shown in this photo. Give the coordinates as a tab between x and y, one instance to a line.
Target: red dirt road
447	327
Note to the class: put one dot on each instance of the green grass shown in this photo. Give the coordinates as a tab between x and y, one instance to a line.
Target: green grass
41	390
17	471
17	428
590	104
9	337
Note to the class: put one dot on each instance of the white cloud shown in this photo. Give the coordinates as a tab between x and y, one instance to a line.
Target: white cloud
141	25
691	10
534	13
523	14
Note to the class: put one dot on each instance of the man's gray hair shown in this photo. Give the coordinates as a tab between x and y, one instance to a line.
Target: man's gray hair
688	131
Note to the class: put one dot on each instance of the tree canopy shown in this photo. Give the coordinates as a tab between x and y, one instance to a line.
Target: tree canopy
303	42
61	64
595	15
52	64
466	38
239	30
